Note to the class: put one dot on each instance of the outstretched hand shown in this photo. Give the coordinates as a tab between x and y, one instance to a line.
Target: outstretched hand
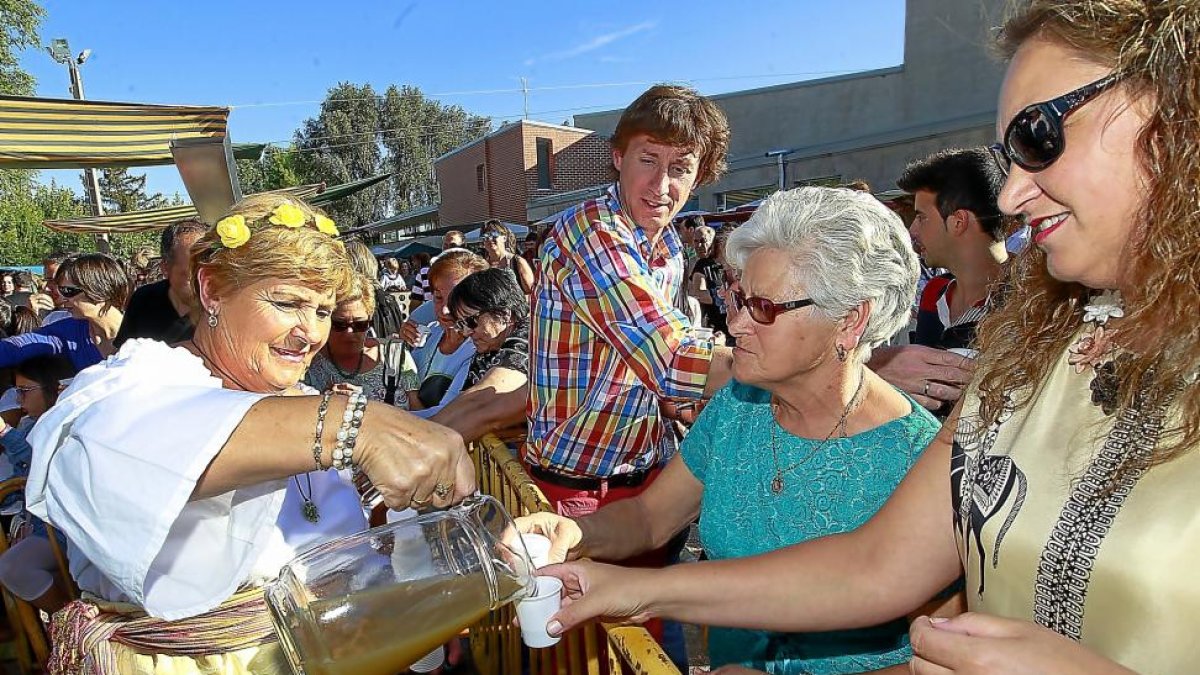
933	377
564	534
597	591
982	644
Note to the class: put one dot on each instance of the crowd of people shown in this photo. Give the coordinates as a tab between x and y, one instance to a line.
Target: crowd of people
926	445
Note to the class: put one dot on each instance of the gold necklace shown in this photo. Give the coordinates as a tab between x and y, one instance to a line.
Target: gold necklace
777	481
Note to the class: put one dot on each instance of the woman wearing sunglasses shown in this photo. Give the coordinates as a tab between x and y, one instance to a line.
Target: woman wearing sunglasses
806	441
354	361
1063	487
492	311
499	247
28	569
95	289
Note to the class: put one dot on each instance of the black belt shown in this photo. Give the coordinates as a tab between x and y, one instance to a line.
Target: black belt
621	480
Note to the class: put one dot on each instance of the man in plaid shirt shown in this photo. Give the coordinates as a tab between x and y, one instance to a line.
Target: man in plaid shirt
607	342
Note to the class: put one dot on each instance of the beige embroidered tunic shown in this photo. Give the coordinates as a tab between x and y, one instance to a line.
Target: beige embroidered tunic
1042	541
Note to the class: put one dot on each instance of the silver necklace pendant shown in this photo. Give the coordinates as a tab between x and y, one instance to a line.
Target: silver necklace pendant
311	514
777	483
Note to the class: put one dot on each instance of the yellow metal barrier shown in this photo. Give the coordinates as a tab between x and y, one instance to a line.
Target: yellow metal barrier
496	644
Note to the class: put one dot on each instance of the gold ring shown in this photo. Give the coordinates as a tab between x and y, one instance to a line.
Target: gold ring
418	502
926	392
441	490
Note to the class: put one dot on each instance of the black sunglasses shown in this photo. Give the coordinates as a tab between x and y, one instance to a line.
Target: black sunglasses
360	326
763	310
1034	138
69	291
468	323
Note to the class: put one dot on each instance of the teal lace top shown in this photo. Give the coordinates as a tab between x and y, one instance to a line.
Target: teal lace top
836	490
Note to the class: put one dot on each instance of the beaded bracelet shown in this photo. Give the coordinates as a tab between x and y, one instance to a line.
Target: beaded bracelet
347	435
317	449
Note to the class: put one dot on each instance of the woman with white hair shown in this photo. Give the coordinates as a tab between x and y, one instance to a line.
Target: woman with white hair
806	441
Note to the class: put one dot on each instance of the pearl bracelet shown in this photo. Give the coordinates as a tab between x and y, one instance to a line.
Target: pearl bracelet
317	448
347	435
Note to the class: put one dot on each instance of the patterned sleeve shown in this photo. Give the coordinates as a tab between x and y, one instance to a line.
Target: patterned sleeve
615	297
514	352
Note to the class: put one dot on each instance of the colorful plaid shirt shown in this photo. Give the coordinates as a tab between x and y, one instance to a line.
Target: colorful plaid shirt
607	343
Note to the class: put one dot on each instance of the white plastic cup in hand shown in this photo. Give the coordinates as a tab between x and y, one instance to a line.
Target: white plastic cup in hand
430	662
963	351
538	547
535	612
423	332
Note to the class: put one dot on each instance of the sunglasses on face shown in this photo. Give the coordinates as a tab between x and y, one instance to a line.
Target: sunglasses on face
467	324
69	291
493	236
340	326
1035	138
762	310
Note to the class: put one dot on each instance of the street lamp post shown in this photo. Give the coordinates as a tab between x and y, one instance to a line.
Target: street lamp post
61	52
781	161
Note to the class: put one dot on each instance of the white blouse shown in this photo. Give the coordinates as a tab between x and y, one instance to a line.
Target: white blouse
114	465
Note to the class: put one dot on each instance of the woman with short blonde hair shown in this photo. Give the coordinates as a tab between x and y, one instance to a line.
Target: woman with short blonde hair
186	476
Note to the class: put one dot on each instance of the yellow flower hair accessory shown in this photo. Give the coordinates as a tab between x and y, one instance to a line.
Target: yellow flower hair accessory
233	231
326	225
288	215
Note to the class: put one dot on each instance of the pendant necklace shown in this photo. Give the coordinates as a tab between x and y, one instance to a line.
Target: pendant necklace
777	481
307	507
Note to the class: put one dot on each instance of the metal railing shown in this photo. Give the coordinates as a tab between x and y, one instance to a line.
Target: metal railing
594	649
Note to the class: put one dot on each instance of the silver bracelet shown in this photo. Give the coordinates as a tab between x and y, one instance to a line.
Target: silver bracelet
347	435
317	449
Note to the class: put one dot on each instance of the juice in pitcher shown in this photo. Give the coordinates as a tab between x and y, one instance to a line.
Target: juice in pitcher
376	602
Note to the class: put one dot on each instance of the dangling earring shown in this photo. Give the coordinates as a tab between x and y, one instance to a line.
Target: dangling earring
212	319
841	352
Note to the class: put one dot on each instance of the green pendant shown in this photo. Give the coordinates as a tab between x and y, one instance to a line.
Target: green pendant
310	511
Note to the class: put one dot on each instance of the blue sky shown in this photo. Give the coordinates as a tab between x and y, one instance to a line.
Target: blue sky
273	61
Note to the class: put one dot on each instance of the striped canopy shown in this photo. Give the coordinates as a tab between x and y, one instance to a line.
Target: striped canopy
156	219
42	133
151	219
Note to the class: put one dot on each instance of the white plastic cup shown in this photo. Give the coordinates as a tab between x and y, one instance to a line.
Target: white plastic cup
964	352
430	662
701	333
423	331
535	612
538	547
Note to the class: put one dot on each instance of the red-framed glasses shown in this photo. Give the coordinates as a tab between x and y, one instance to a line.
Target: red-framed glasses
762	310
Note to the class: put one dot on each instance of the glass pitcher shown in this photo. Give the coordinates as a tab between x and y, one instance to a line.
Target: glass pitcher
377	601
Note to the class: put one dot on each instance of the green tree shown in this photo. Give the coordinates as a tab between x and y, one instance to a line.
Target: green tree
275	170
19	23
122	192
340	145
25	204
415	131
358	134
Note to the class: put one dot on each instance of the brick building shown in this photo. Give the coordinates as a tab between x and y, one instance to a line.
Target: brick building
499	175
